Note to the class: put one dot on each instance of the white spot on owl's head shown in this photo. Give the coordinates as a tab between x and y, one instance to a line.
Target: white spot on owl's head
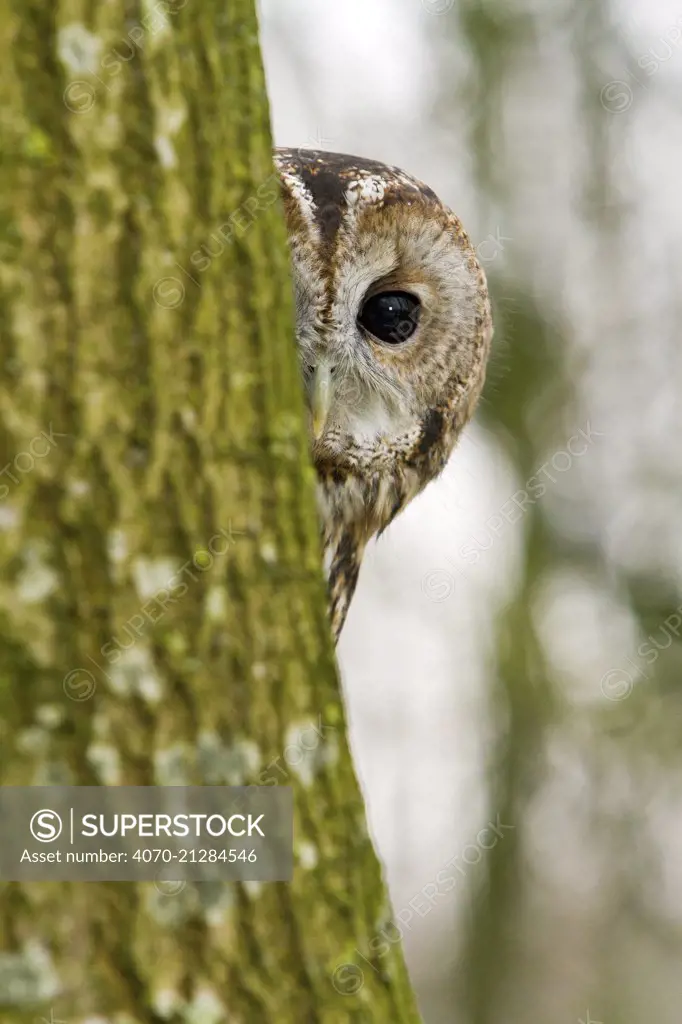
369	189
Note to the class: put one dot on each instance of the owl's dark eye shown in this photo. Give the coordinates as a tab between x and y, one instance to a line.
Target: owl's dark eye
391	316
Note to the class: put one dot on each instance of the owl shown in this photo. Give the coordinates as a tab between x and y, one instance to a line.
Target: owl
393	326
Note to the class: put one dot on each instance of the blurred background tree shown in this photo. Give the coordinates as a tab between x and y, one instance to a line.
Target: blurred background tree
527	664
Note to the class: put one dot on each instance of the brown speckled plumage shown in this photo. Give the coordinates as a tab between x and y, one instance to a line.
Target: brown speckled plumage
358	228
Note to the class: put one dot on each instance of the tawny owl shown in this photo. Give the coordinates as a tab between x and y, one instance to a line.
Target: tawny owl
393	329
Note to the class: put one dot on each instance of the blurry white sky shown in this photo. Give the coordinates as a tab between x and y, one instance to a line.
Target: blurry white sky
364	77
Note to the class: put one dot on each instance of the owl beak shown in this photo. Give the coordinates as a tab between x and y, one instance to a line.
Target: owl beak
321	397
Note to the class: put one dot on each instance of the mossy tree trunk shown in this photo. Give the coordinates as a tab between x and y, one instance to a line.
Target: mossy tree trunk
162	608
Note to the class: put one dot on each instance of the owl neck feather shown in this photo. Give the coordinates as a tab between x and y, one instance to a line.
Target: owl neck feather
359	495
353	510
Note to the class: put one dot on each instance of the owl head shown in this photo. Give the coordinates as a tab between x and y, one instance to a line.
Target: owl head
393	327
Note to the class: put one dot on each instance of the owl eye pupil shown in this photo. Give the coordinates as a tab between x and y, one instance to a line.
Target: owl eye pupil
391	316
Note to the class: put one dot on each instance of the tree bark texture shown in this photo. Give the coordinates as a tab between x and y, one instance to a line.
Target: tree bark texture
163	613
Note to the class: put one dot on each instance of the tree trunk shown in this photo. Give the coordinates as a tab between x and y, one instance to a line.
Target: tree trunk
162	609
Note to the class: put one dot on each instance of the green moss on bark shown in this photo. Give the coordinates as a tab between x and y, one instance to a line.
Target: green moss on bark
153	442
